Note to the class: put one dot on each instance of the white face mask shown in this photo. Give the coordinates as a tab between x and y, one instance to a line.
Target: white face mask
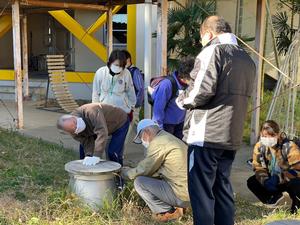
268	141
145	143
116	69
80	126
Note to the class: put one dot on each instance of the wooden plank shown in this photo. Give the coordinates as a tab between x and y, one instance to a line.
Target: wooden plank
64	5
25	56
56	71
57	76
68	105
55	56
62	92
66	101
65	95
56	68
17	62
56	63
55	60
58	80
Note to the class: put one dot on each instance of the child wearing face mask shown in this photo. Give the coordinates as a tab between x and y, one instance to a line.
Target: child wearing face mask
113	84
276	163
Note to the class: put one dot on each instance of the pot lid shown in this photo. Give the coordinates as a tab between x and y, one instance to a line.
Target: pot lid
76	167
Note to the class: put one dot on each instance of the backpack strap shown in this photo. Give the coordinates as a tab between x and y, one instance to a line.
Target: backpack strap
174	86
132	70
285	150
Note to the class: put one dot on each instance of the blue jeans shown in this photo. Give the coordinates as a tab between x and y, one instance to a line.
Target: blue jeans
116	145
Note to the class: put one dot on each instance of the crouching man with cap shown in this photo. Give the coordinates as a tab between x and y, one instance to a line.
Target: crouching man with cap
91	124
161	177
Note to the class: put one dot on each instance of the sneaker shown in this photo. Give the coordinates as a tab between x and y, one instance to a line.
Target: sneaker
169	216
249	163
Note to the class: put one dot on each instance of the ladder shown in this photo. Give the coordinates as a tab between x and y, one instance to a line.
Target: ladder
59	85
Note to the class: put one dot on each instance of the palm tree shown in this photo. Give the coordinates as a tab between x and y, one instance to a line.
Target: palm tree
184	29
283	30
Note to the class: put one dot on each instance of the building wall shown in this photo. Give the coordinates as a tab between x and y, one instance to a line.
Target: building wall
6	51
85	60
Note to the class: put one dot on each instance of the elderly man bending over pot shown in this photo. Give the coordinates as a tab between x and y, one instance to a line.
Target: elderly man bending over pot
91	124
161	178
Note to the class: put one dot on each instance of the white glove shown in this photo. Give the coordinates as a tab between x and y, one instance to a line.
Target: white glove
91	161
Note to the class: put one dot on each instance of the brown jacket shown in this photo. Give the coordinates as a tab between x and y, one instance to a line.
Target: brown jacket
101	121
262	162
166	159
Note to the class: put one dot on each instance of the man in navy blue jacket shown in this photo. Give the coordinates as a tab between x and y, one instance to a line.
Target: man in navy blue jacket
165	110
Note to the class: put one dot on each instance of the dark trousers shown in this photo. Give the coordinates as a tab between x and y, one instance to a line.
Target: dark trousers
175	129
116	145
209	186
292	187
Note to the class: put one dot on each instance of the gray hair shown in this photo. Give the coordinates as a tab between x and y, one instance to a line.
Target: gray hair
216	24
61	120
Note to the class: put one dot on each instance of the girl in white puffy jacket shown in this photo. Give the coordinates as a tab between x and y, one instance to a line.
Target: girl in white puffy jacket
113	83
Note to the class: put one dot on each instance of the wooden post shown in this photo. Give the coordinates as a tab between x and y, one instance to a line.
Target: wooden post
259	47
25	56
109	31
162	36
17	62
147	53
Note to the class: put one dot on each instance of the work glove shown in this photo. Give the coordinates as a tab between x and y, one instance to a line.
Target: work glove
271	183
91	160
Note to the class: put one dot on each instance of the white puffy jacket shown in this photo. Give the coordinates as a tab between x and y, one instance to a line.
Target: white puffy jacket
115	90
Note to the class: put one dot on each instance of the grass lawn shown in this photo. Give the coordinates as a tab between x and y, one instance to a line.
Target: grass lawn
34	190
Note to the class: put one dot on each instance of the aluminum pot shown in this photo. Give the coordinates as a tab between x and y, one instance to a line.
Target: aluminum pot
95	185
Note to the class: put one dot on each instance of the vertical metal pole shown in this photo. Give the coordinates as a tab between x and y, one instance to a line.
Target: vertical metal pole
259	46
17	62
148	53
25	55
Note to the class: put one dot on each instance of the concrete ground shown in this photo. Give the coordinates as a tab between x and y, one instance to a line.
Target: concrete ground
41	124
